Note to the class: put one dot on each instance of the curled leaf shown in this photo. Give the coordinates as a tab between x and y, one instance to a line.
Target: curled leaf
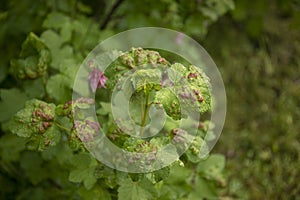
34	59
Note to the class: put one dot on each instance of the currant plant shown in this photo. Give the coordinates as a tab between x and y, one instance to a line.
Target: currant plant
45	134
52	129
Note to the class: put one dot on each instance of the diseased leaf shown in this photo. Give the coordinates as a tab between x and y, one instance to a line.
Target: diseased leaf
34	59
200	86
146	80
167	98
193	153
35	121
189	91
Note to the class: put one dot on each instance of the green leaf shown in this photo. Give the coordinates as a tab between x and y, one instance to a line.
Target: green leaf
56	20
174	191
205	189
11	146
194	196
161	174
60	54
61	22
58	88
212	168
81	160
12	100
84	175
95	193
178	174
61	152
84	170
52	40
142	190
169	192
34	88
215	162
105	108
31	163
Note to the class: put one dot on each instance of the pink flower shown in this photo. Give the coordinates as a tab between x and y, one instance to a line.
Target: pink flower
97	79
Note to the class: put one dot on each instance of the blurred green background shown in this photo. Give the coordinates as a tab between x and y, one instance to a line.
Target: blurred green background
255	44
257	48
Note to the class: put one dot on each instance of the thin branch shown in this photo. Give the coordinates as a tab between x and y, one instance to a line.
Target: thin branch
110	14
145	114
74	14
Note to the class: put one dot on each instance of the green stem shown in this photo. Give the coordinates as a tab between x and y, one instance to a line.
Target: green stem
61	126
74	14
44	82
145	114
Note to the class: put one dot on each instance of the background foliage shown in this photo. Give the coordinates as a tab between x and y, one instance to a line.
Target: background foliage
256	46
259	58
